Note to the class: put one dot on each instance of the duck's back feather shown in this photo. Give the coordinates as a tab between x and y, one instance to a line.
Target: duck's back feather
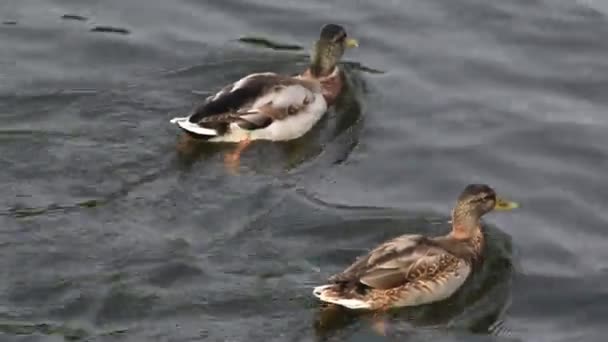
252	103
234	96
389	264
407	270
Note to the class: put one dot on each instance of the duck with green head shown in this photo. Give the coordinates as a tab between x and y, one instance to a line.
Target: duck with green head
269	106
326	54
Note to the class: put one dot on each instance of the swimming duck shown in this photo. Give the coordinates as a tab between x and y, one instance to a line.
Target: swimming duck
413	270
268	106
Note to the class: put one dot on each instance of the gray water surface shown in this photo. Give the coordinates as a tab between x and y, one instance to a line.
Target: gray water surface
109	231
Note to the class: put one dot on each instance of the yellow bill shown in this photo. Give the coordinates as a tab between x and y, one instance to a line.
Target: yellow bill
503	204
351	43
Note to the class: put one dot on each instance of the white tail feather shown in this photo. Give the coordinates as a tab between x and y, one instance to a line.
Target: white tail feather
350	303
184	123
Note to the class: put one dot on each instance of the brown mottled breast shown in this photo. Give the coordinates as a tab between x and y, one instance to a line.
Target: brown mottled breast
331	88
331	85
468	249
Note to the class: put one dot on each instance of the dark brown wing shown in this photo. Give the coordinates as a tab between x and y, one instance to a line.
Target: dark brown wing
386	250
395	263
239	95
233	104
230	99
249	121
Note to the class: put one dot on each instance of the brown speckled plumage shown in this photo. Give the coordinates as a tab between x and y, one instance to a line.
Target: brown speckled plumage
414	269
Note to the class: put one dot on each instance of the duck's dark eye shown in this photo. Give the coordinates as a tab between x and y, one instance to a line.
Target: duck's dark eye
483	198
489	197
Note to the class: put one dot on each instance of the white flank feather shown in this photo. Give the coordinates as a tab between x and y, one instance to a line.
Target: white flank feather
240	83
319	292
194	128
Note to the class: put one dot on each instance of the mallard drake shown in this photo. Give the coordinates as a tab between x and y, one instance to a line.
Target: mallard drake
412	270
268	106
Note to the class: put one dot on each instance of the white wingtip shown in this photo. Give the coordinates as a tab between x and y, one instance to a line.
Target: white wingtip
176	120
319	292
185	124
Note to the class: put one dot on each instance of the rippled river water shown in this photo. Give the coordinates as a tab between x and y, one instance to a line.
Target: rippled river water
110	232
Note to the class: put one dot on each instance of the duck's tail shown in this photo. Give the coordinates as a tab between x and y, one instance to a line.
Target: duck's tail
332	294
193	128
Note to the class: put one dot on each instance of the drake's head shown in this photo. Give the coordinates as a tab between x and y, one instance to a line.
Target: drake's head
329	49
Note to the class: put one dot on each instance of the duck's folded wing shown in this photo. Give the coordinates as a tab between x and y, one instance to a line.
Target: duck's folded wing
423	262
395	263
232	98
253	102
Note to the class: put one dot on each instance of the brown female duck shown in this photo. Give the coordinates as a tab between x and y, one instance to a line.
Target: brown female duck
412	270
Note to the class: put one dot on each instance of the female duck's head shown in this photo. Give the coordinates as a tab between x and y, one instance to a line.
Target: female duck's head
328	50
475	201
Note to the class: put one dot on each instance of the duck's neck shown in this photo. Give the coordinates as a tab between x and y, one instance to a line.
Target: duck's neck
319	71
465	225
323	60
467	228
309	73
